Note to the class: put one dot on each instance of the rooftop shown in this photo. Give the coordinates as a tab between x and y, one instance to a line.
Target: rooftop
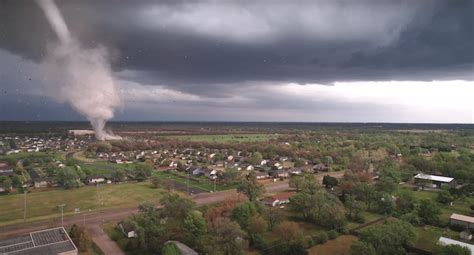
446	241
461	217
49	241
433	177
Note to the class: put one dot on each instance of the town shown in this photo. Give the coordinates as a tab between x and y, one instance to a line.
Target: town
331	191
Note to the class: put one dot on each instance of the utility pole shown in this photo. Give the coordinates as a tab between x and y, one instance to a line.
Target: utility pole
98	197
24	205
187	184
62	214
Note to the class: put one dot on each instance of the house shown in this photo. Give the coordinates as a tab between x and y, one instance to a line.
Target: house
194	171
93	179
434	181
211	174
38	180
461	220
443	241
127	229
282	174
249	168
6	170
278	199
320	168
261	175
295	171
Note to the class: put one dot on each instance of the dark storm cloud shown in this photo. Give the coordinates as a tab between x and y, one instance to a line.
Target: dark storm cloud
178	44
218	55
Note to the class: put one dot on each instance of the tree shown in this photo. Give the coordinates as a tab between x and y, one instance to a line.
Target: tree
405	202
170	248
354	207
230	175
361	248
68	178
296	181
445	197
453	249
391	238
428	211
365	193
291	237
176	207
80	237
256	226
118	175
310	184
195	226
256	158
250	187
143	171
228	237
274	216
242	213
6	183
330	181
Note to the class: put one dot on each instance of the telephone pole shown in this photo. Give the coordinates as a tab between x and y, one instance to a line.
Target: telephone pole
24	205
62	214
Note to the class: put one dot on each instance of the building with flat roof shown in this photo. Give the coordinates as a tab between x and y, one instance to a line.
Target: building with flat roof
434	181
461	220
43	242
446	241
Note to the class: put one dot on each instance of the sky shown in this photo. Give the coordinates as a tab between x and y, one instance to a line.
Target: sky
238	60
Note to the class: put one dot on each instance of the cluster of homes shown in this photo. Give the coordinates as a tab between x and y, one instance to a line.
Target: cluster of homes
459	221
16	144
210	162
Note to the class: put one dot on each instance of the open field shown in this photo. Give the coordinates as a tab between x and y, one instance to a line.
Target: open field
200	183
14	157
338	246
227	138
42	205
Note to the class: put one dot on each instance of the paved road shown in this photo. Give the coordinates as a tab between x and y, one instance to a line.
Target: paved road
93	220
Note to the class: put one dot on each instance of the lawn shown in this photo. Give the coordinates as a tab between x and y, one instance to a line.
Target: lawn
201	182
14	157
338	246
227	138
42	205
429	235
104	167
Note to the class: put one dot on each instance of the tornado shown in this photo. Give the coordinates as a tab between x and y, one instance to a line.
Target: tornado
81	77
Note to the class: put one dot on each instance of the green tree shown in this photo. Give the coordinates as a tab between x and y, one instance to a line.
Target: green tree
250	187
361	248
176	207
453	249
390	238
228	237
296	181
329	181
67	178
170	249
405	202
292	238
195	226
243	212
143	171
445	197
428	211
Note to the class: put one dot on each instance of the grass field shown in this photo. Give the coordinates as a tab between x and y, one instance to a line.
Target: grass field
201	182
42	205
104	167
227	138
14	157
338	246
429	235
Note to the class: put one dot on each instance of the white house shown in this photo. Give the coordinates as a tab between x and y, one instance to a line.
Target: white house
446	241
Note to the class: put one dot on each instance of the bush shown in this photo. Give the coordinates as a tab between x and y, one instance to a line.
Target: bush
457	227
323	237
343	231
332	234
311	242
359	218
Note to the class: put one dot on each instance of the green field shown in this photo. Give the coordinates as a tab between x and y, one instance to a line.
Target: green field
14	157
43	205
201	182
104	167
227	138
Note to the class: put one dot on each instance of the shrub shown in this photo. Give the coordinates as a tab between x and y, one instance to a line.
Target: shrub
323	237
332	234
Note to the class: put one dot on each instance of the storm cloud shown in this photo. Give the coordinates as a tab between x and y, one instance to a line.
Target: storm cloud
171	57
